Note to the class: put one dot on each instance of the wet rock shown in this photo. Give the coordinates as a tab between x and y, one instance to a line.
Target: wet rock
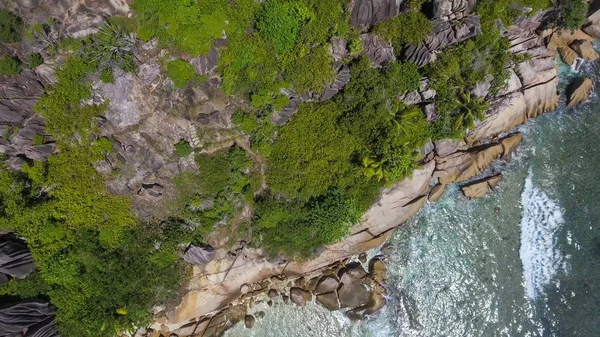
481	187
584	49
436	192
378	270
567	54
329	301
311	285
273	293
510	144
300	296
327	284
376	302
362	258
579	91
260	314
353	294
249	321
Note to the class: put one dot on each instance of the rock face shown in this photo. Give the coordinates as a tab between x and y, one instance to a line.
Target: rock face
15	259
300	296
449	8
33	318
579	91
18	95
480	188
584	49
369	12
444	34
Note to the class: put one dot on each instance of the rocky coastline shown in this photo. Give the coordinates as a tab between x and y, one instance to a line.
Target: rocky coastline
227	282
221	292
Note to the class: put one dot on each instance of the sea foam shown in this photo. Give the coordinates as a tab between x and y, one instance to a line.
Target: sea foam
542	218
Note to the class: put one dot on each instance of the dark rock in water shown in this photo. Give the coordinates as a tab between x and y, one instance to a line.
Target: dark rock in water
329	301
249	321
354	294
198	254
378	270
370	12
579	91
15	258
327	284
300	296
36	317
273	293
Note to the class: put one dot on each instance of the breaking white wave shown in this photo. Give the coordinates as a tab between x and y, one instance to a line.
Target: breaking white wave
541	258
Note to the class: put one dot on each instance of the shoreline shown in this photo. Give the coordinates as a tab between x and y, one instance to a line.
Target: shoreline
218	291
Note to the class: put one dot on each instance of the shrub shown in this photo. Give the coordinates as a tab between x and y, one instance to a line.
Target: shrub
411	27
183	148
182	73
280	22
107	75
9	65
10	27
297	228
572	13
35	60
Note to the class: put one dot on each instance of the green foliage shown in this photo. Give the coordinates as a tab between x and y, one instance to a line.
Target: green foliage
182	73
107	75
247	122
572	13
279	23
9	65
35	60
312	153
11	27
111	47
183	148
214	195
411	27
191	27
506	10
300	228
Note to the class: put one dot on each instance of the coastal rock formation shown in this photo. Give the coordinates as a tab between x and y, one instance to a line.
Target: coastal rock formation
480	188
579	91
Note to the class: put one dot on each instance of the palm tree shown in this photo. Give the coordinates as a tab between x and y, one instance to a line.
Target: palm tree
470	109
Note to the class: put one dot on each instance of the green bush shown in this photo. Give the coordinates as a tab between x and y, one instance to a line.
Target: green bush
279	23
572	13
411	27
182	73
107	75
300	228
35	60
9	65
10	27
183	148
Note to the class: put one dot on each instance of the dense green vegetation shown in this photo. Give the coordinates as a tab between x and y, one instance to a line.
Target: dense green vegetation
11	27
301	186
182	73
9	65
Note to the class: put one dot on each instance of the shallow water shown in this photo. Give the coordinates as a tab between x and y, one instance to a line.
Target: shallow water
522	261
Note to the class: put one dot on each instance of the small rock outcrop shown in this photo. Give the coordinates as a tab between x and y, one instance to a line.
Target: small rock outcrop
300	296
199	255
579	91
481	187
249	321
436	192
584	49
